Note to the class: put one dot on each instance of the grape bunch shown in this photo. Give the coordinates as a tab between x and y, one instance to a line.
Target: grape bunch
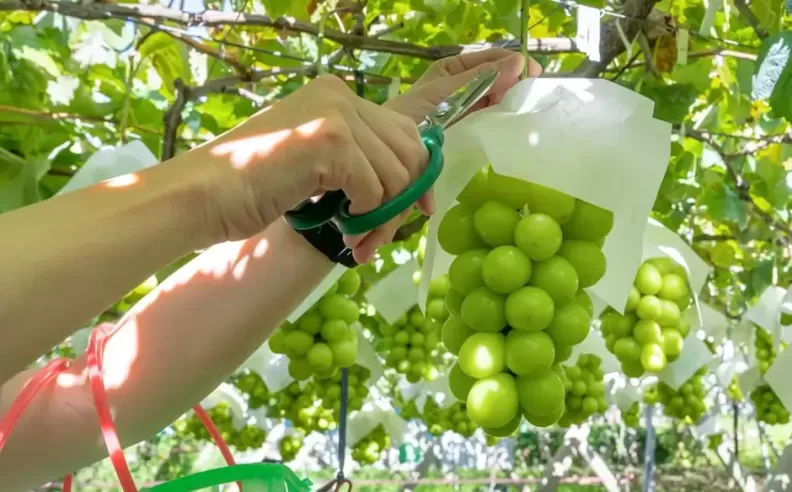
411	343
686	404
322	340
585	390
451	419
368	450
329	389
733	391
632	416
652	331
765	349
248	437
523	255
768	406
289	446
298	405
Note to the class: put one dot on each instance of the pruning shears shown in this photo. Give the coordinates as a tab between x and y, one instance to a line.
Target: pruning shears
333	207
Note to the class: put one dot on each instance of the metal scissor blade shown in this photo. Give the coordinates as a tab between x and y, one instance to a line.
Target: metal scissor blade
462	99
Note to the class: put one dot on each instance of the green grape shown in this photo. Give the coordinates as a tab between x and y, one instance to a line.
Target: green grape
557	277
505	269
529	309
495	222
538	236
588	222
587	259
484	310
570	326
542	393
769	408
456	233
512	192
529	352
465	271
544	200
483	355
492	401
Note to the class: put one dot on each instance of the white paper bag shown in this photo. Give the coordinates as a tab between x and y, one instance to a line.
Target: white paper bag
229	394
317	293
395	293
779	378
370	416
273	368
110	163
714	323
694	355
623	394
749	379
766	313
594	344
367	356
437	389
585	137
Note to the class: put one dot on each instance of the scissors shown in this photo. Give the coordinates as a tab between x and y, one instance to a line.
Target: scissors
333	207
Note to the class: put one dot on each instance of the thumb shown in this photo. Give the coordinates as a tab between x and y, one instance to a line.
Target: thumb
510	69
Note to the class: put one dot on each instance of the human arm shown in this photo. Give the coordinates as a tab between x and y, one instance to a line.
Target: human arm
77	254
73	256
170	350
188	335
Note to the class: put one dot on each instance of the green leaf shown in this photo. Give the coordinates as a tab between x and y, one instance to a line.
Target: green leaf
168	57
723	203
769	13
21	188
671	101
773	78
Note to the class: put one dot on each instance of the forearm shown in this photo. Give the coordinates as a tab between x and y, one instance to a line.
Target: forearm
77	254
170	351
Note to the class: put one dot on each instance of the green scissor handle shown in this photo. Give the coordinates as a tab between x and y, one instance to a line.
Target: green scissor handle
255	477
334	206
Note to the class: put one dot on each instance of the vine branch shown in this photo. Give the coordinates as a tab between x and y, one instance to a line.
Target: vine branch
750	18
215	18
611	44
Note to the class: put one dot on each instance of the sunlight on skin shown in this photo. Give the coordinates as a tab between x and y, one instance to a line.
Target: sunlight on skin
122	347
122	181
242	151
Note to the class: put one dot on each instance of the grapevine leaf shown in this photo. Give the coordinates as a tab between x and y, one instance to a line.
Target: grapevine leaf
773	79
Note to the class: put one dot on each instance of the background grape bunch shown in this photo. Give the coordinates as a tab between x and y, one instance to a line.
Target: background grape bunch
289	446
411	345
248	437
368	450
765	350
450	419
632	416
652	331
523	255
321	341
769	408
585	390
686	404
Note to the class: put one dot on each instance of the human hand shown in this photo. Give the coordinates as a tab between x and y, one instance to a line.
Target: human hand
323	137
449	74
437	83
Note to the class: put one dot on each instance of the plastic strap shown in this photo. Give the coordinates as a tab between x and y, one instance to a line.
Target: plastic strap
33	388
110	434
